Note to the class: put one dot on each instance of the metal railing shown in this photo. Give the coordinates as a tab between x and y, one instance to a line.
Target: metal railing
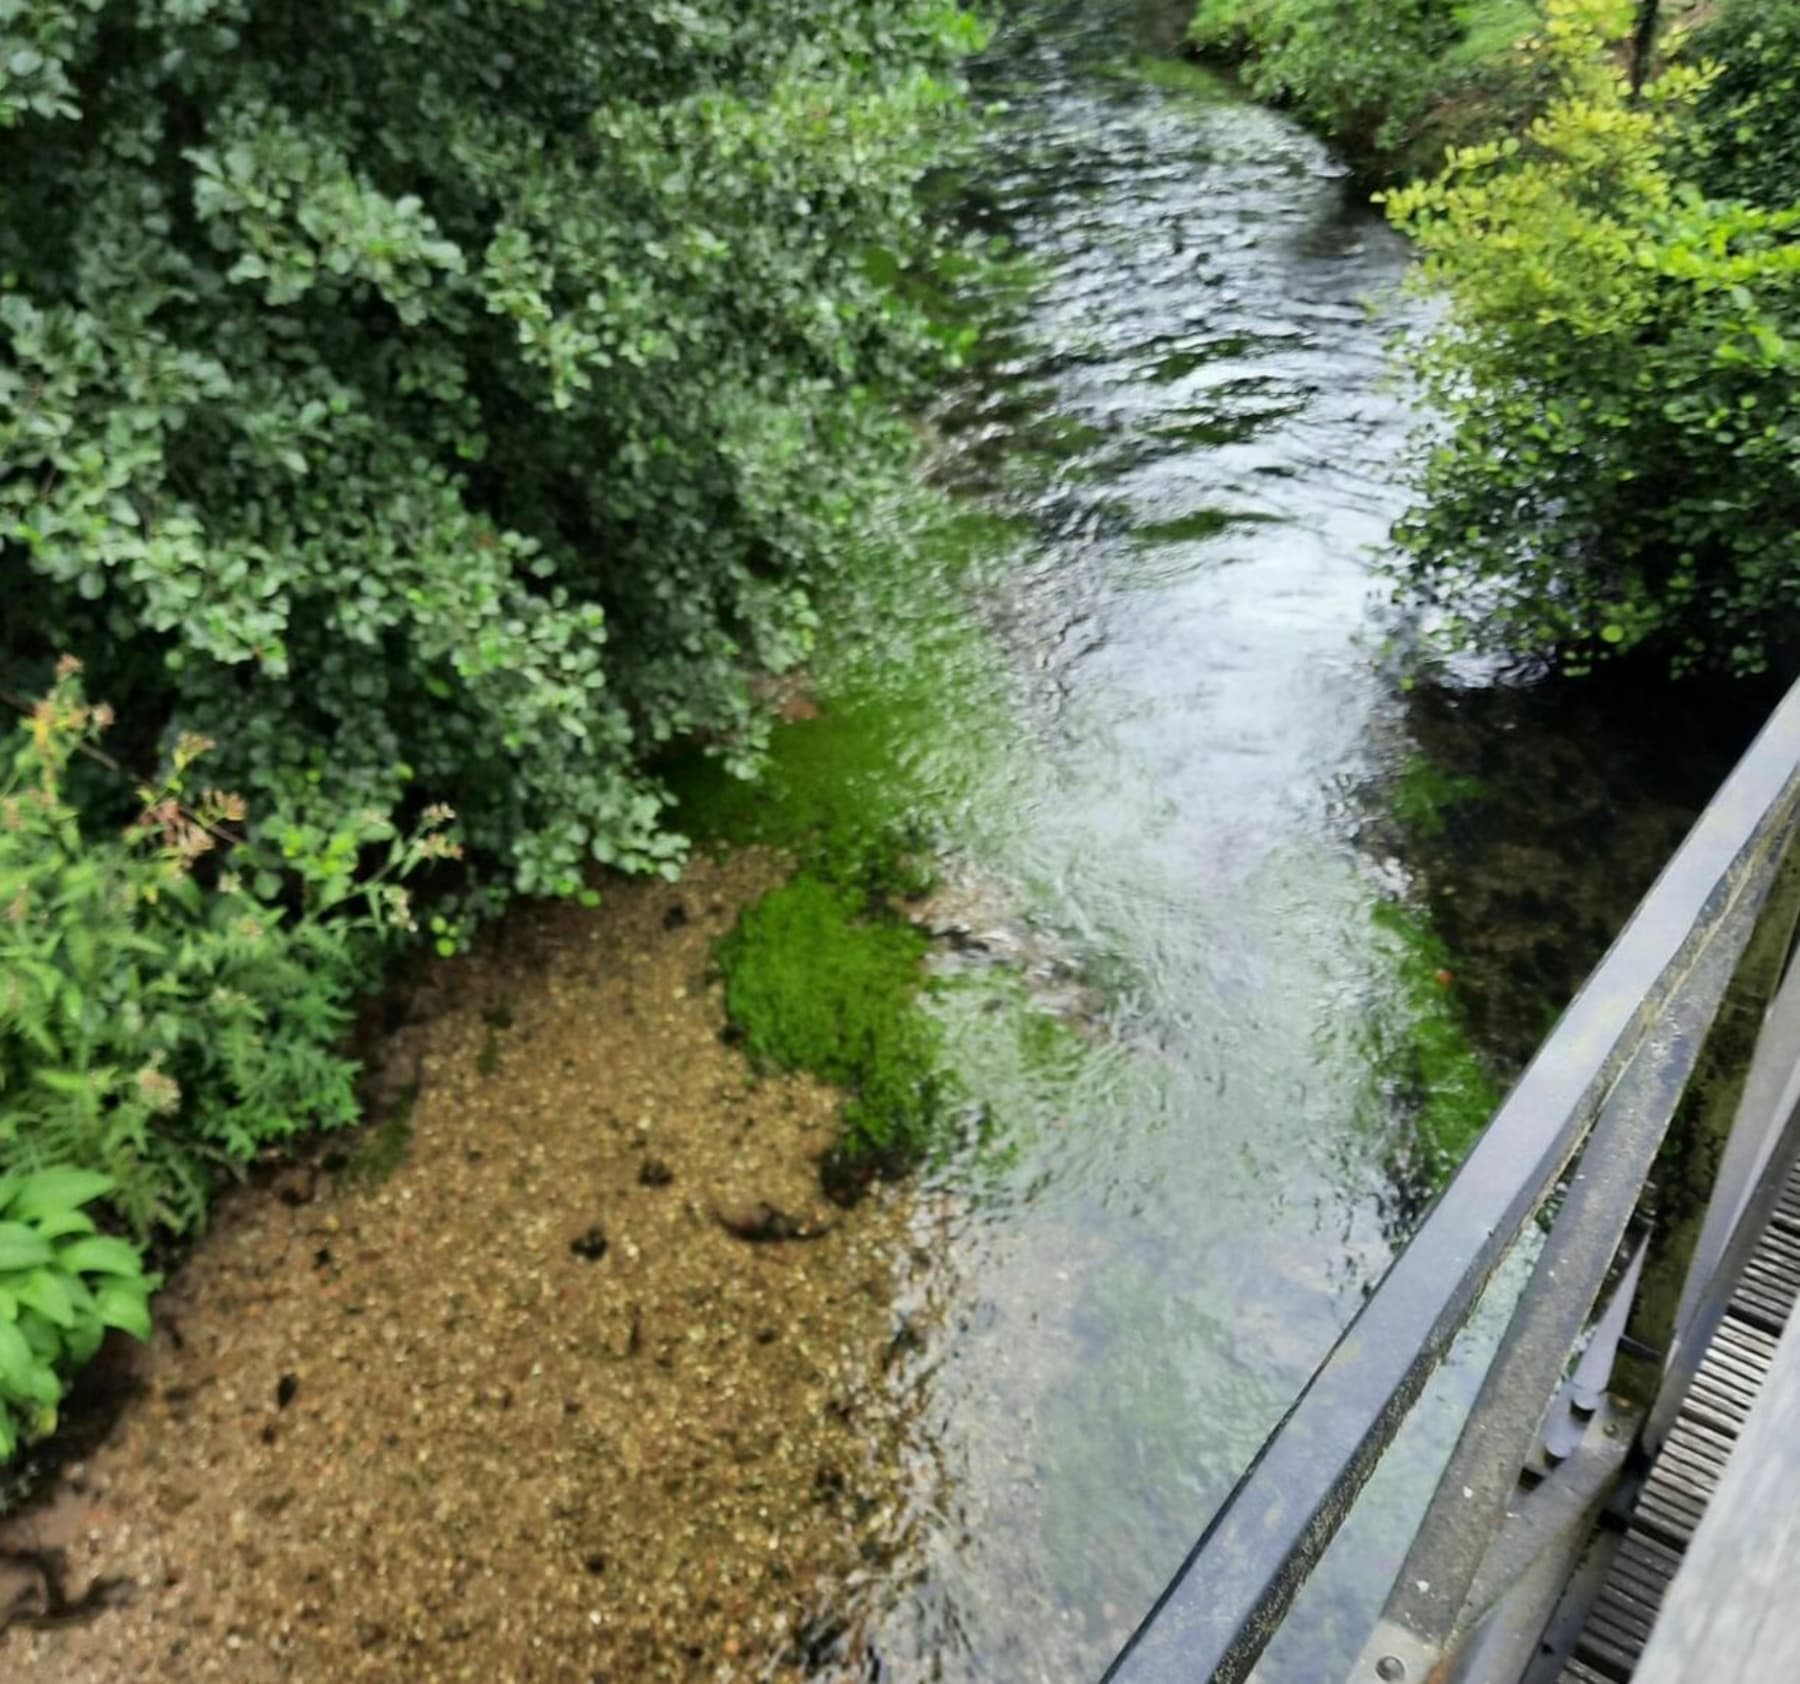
1587	1119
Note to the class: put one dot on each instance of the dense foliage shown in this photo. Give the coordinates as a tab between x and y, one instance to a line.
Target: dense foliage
1371	74
62	1285
450	401
404	404
1618	370
1747	117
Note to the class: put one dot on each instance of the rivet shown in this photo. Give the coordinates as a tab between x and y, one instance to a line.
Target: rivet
1390	1669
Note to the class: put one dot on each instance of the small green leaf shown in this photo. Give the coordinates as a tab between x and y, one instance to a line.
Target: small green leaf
1613	633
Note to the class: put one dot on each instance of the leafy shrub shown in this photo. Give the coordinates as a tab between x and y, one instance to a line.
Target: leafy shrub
1618	370
1367	73
62	1285
451	399
1747	118
815	984
158	1025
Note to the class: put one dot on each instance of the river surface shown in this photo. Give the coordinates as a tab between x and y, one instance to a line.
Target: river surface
1188	422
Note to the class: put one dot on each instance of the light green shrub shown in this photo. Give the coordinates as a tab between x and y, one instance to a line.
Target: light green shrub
1619	373
160	1020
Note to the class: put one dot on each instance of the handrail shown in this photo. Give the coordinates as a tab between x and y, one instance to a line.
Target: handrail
1229	1595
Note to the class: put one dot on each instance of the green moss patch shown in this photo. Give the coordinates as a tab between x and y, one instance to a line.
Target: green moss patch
1421	1052
814	982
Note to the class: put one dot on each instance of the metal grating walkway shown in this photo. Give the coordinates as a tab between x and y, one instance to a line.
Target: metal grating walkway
1687	1472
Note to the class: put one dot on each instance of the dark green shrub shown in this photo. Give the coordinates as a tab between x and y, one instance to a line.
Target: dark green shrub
1366	73
451	399
1748	116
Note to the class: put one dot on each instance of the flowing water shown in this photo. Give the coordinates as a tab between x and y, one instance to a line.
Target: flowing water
1188	423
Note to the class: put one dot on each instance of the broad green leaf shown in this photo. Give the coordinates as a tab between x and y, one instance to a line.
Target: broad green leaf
124	1307
61	1224
45	1292
18	1363
84	1338
100	1254
22	1247
43	1336
57	1190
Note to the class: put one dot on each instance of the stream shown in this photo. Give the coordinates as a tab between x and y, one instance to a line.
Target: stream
1190	426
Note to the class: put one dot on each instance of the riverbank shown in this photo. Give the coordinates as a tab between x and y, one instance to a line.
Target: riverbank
1389	92
551	1398
1390	88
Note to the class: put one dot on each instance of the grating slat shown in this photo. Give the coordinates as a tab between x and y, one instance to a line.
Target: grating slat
1579	1672
1692	1460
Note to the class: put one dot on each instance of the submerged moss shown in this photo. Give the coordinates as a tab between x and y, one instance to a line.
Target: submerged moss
1177	76
1424	795
831	793
1421	1052
814	982
381	1148
1191	528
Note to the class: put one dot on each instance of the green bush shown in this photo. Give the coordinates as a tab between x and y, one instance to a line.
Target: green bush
1619	374
453	401
62	1285
1366	73
160	1021
1748	115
